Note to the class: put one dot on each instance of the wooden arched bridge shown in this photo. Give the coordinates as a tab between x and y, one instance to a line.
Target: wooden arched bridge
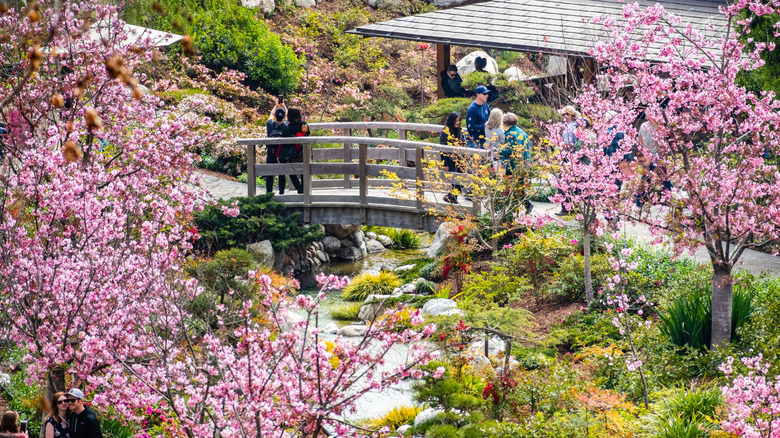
362	193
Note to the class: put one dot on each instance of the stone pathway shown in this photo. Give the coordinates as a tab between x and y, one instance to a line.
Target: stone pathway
753	261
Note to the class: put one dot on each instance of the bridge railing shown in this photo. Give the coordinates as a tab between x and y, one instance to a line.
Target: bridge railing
330	161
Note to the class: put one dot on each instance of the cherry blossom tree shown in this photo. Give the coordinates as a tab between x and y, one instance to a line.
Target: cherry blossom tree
712	138
95	187
587	182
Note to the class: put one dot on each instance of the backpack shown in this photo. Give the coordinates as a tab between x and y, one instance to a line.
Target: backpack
293	152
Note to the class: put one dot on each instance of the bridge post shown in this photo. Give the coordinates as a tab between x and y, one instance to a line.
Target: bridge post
363	170
347	157
402	149
251	186
307	174
420	178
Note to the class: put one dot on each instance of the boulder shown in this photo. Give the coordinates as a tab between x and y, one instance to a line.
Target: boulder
279	258
356	238
372	306
403	268
350	254
514	73
442	237
331	244
263	252
466	65
371	235
495	345
305	3
350	331
290	323
331	328
373	246
265	6
341	231
363	249
346	243
427	415
384	240
401	431
322	256
441	306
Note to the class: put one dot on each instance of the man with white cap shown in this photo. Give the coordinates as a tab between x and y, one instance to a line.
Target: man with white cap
83	423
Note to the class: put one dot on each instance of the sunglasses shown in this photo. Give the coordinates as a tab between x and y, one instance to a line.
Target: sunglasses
59	402
72	400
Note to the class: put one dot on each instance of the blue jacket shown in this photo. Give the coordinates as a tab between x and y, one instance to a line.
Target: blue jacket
476	117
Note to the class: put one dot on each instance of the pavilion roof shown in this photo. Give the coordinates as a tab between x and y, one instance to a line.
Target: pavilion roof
558	27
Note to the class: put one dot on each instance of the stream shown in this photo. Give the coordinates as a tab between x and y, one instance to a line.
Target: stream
374	404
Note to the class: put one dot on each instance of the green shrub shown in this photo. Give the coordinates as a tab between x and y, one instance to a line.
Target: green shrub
260	218
236	40
366	284
345	312
403	238
431	271
425	287
536	256
569	280
687	321
112	428
762	331
496	286
684	414
438	111
218	275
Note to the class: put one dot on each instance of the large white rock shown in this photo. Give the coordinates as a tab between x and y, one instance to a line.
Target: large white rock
305	3
403	268
331	328
266	6
495	345
373	246
351	331
372	307
384	240
466	65
263	252
441	238
426	415
514	73
441	306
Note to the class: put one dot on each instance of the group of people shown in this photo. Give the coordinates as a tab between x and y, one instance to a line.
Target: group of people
490	129
283	122
68	418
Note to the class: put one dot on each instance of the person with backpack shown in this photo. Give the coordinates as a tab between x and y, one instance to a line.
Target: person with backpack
276	126
293	153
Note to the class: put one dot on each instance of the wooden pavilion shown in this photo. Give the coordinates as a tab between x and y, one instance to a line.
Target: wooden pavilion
553	27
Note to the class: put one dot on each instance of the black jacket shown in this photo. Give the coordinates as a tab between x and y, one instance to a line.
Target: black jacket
84	425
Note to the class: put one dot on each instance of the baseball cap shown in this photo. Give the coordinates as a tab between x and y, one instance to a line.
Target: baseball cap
482	90
75	392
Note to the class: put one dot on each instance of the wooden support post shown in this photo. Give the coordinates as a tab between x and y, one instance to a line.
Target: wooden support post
306	174
420	176
442	62
589	72
363	172
347	158
402	149
251	186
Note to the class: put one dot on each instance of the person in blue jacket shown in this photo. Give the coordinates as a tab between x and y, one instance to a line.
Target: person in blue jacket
476	117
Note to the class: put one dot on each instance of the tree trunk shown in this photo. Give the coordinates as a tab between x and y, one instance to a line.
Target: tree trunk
722	288
586	265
